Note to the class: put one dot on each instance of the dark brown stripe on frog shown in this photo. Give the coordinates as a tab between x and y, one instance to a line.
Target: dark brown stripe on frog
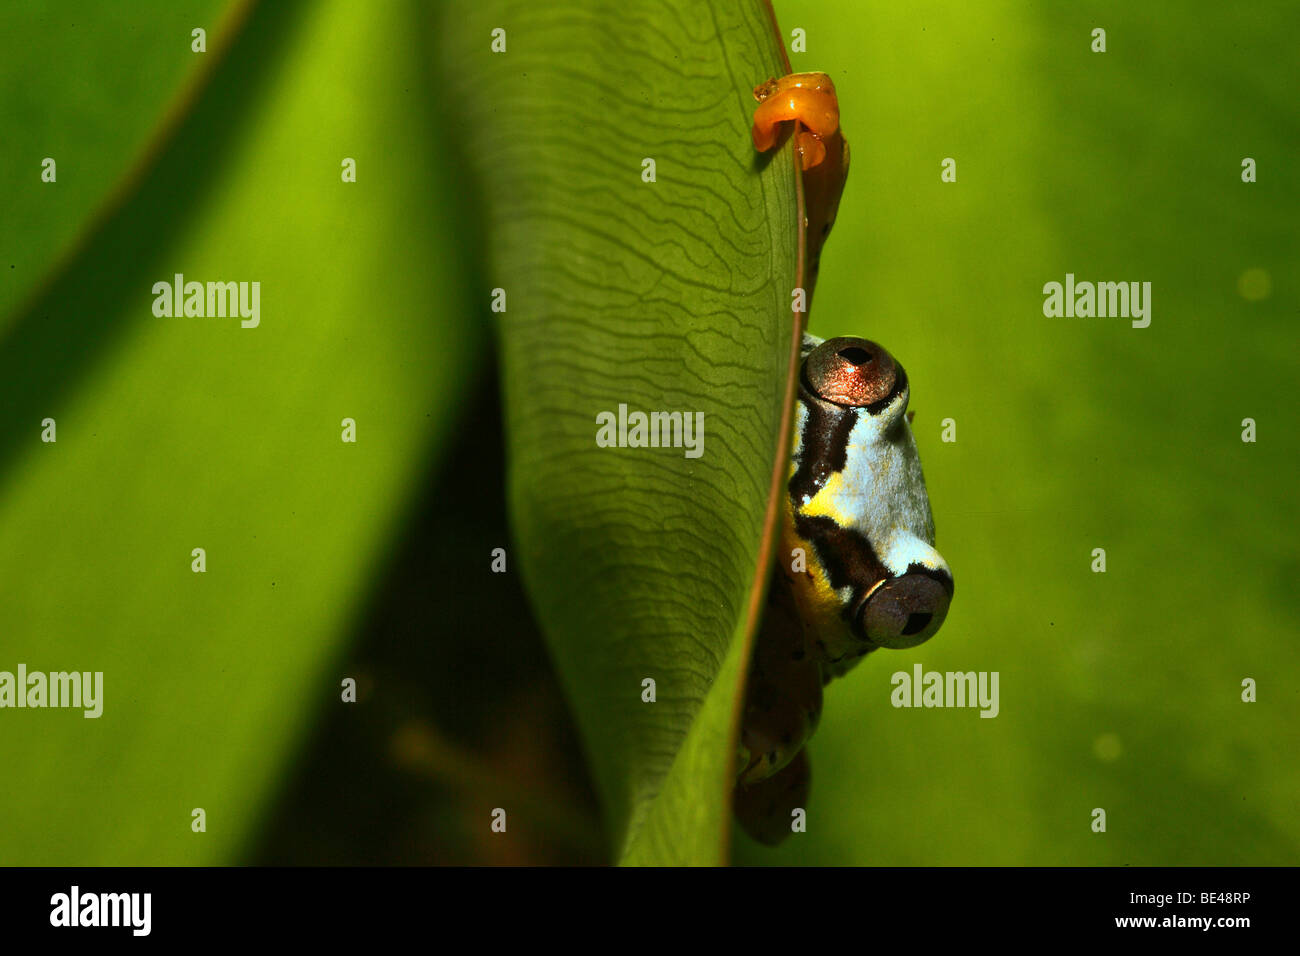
847	556
825	445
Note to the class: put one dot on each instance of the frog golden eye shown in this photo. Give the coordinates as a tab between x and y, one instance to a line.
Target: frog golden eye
851	371
907	610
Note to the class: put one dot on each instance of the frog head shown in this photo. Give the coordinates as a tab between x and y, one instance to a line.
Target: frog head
858	508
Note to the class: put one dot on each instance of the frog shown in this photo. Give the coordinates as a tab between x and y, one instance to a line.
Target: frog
858	509
858	570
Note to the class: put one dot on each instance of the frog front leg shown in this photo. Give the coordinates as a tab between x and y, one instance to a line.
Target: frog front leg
783	697
765	810
783	704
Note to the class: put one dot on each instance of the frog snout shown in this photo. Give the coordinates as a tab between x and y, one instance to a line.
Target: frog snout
907	610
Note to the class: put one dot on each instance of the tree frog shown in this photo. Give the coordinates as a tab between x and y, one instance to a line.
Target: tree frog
858	509
858	568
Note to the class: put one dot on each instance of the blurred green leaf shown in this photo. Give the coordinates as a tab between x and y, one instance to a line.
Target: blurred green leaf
672	295
178	433
87	85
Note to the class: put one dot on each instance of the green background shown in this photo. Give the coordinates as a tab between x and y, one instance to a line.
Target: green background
1118	690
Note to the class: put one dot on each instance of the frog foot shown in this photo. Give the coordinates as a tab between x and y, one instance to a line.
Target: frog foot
805	98
766	810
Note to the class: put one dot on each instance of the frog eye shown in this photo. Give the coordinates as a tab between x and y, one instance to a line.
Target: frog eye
906	610
851	371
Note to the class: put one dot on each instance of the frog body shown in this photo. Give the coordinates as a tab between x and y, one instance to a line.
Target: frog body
857	507
857	568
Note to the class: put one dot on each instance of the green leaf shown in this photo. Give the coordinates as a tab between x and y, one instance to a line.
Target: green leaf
184	432
144	73
672	295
